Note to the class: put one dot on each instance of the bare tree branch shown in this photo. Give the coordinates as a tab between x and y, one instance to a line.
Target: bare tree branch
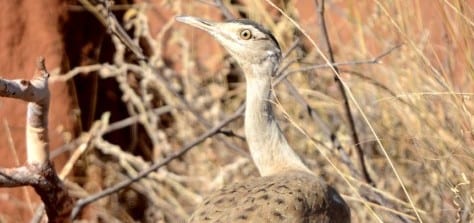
39	171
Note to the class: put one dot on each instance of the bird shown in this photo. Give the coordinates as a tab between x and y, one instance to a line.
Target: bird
287	190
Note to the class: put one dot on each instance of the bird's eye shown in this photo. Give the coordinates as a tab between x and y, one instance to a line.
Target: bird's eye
245	34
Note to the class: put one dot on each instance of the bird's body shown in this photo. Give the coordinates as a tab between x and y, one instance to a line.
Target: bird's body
291	197
287	191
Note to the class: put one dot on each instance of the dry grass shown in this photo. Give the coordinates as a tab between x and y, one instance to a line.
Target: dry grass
418	105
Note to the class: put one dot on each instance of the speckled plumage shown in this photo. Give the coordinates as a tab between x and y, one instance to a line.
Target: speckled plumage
293	196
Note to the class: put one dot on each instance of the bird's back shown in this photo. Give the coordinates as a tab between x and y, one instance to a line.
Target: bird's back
293	196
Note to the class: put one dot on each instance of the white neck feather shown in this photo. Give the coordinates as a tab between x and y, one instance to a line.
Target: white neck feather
268	146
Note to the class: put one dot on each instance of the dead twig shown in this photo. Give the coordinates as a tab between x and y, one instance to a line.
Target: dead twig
224	10
375	60
108	19
350	117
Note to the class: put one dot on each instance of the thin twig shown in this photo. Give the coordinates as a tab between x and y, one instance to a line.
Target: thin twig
375	60
225	11
134	119
109	20
350	117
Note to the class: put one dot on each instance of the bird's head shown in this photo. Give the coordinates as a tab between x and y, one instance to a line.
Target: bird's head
249	43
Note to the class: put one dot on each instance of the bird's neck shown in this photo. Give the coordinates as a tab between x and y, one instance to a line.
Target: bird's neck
268	146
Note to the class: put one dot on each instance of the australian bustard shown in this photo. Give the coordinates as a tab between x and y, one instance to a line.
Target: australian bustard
287	190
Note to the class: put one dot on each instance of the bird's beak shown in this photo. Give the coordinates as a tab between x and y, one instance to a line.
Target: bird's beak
203	24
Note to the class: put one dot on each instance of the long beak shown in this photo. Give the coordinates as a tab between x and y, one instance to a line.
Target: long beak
203	24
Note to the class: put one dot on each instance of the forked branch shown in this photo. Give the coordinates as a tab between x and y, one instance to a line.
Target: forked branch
38	171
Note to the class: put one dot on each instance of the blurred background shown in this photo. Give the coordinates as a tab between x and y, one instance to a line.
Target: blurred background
409	65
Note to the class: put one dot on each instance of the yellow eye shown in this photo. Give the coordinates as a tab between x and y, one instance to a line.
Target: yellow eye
245	34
